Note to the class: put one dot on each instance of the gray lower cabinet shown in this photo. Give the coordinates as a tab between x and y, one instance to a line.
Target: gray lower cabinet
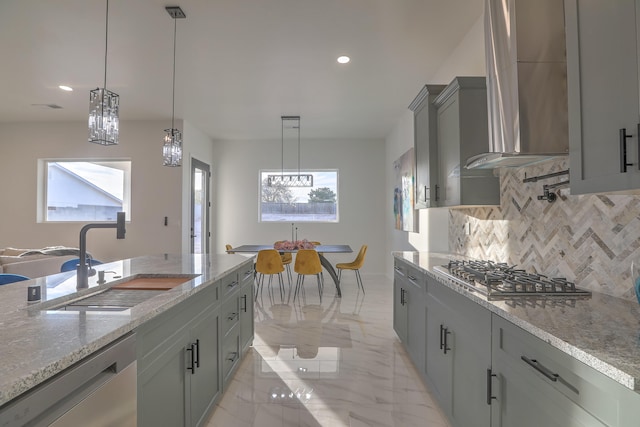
178	369
409	290
603	97
535	384
246	308
204	369
486	371
188	354
462	132
400	312
458	354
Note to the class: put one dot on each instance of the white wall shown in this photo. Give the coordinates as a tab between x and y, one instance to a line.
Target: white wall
468	59
362	196
155	189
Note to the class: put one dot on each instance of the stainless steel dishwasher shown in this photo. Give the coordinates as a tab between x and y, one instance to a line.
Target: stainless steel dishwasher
100	390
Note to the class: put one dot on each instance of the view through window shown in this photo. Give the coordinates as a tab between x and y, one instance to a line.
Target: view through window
80	190
281	203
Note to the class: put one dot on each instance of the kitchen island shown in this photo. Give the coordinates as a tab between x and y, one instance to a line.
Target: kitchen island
584	352
40	341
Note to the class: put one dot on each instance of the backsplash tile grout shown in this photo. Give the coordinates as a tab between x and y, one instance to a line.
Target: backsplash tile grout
589	239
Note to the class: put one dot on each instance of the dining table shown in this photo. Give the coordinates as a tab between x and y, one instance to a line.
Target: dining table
321	249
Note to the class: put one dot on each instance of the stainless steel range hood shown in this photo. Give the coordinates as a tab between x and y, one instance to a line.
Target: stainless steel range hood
526	83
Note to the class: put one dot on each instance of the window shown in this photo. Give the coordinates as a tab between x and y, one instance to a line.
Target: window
281	203
83	190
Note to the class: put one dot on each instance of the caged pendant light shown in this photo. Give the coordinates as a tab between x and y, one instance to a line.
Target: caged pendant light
103	106
172	148
290	180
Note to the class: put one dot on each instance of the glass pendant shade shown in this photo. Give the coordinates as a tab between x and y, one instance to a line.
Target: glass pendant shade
172	148
104	123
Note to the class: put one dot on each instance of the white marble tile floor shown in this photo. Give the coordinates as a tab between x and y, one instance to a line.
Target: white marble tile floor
337	363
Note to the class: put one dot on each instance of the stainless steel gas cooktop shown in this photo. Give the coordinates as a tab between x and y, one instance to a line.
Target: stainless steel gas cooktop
502	281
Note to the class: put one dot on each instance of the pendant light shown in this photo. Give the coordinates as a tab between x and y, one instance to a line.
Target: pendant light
103	106
290	180
172	148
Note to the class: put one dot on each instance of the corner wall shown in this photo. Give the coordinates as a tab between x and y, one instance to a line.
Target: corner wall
199	146
466	60
155	189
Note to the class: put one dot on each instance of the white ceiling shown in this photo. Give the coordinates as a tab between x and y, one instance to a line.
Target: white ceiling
241	64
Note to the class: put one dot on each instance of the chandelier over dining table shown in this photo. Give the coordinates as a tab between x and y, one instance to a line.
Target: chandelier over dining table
289	179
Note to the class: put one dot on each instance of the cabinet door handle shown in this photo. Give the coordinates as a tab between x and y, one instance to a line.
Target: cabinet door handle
232	316
412	278
623	150
197	358
446	345
437	195
233	356
232	284
443	339
244	307
426	193
490	396
401	296
540	368
191	368
638	129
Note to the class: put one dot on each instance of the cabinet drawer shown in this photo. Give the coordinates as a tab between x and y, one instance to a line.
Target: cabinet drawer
228	284
411	275
230	352
602	397
246	274
229	314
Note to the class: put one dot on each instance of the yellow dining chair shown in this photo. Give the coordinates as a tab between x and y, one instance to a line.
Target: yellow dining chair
307	263
228	248
355	265
287	260
269	263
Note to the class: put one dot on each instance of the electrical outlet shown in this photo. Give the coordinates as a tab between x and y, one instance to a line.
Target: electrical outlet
467	229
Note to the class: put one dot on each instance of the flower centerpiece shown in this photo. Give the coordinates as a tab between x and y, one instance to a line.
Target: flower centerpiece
292	245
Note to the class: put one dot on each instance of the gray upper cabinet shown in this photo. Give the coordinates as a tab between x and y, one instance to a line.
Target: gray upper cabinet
425	145
603	97
462	132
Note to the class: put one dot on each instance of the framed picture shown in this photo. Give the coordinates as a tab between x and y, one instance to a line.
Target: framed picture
406	218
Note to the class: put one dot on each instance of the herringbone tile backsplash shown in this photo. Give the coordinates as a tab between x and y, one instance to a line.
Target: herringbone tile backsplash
591	239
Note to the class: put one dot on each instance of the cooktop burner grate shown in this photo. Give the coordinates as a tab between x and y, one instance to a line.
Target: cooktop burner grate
500	280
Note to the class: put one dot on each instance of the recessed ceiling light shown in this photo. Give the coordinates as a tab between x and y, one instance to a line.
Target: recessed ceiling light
66	88
343	59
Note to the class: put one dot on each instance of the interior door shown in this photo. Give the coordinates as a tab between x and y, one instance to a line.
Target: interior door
200	207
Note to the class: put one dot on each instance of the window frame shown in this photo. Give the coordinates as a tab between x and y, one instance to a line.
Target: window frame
43	186
301	172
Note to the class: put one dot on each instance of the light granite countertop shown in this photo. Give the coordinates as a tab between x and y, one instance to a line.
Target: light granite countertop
38	342
603	331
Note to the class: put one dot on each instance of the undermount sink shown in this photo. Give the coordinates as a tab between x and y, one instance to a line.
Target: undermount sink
127	293
110	300
148	282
